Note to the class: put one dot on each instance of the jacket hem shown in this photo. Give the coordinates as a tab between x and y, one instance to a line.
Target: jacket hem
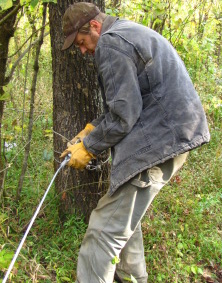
188	147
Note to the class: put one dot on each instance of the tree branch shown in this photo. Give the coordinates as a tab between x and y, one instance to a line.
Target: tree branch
8	78
14	11
10	56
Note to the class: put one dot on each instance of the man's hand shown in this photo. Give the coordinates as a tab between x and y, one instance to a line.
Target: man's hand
80	136
80	157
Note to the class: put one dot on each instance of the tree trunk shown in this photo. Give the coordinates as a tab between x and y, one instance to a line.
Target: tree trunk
6	32
76	101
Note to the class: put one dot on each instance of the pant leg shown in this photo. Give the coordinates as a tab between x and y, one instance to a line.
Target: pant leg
132	255
112	224
132	260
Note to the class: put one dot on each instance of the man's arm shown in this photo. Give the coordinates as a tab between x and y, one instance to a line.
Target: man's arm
118	73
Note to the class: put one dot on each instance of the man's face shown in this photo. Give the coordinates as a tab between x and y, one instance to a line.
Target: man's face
87	42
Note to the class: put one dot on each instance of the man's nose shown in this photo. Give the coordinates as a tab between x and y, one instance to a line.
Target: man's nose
83	49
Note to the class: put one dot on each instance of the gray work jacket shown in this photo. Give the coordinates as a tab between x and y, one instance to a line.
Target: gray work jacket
151	109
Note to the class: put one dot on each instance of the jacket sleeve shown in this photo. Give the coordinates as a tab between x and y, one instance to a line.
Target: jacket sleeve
118	73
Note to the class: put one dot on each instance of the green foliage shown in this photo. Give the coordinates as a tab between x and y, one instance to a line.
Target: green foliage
7	4
115	260
60	249
182	229
7	89
131	279
5	258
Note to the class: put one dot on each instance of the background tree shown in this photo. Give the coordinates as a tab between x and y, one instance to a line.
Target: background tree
76	101
10	14
7	21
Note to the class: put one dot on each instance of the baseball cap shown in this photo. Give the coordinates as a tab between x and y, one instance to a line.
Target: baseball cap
76	16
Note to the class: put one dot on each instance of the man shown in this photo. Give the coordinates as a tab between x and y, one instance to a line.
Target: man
152	118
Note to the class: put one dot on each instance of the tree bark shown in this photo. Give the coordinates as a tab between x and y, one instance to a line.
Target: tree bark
76	101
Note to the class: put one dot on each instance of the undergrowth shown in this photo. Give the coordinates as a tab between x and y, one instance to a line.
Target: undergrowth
182	229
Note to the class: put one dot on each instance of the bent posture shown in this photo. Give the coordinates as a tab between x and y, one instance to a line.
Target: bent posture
152	118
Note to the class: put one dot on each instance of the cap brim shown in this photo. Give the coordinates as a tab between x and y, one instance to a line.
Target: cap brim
69	40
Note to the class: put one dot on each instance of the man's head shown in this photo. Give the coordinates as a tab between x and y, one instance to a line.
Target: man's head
82	26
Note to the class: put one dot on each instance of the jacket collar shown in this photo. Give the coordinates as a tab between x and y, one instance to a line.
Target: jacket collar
108	22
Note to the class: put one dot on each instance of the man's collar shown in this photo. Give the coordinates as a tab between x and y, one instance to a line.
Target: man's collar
108	22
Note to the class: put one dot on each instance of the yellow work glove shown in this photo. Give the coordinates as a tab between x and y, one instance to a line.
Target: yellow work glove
81	135
80	157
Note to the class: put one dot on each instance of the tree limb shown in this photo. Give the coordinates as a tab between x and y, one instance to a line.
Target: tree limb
8	78
10	56
14	11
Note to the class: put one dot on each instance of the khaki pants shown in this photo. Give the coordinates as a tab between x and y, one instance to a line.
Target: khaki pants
114	230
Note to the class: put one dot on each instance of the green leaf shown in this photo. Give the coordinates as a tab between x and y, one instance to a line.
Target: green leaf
6	4
48	133
34	3
115	260
66	279
180	246
18	129
200	270
5	258
3	217
190	12
5	96
194	269
23	2
179	253
131	279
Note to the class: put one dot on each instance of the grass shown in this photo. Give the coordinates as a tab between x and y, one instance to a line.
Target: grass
182	229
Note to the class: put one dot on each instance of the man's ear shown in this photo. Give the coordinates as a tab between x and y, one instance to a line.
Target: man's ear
97	26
